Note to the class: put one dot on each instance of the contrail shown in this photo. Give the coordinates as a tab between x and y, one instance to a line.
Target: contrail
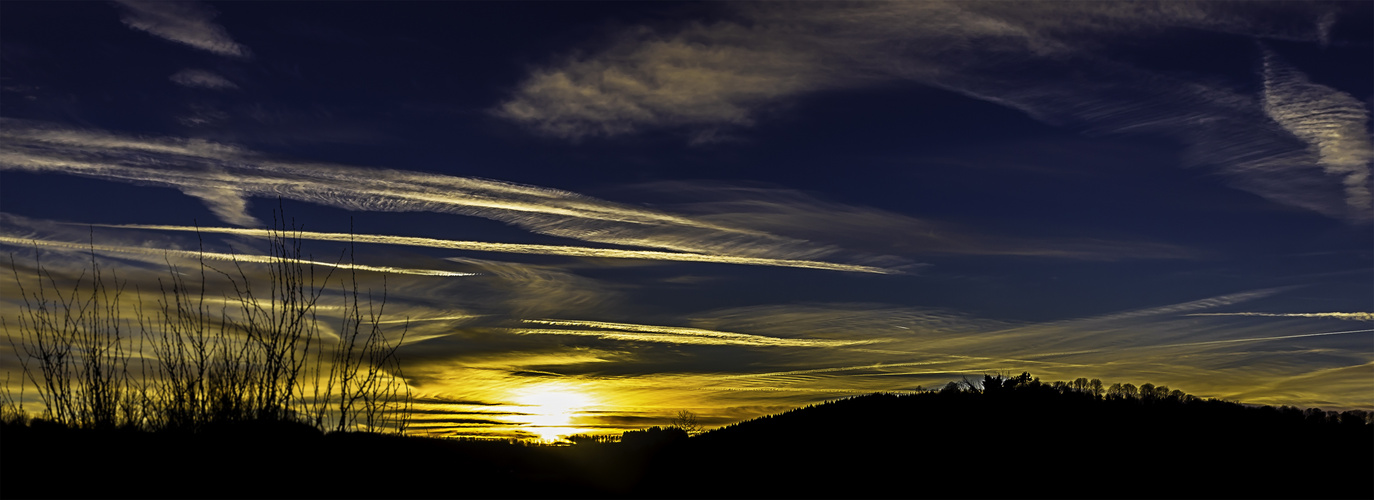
1355	316
1261	339
1206	342
260	259
520	248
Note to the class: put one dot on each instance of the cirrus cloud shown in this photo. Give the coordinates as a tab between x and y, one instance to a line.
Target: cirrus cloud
185	22
200	78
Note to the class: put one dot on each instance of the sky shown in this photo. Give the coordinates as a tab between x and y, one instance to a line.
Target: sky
596	214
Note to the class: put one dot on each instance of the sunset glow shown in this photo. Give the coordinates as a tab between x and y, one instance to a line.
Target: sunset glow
559	218
552	409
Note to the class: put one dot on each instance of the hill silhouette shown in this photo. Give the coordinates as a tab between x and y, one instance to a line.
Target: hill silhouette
996	438
1019	438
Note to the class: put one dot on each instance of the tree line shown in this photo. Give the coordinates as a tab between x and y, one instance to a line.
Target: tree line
1146	393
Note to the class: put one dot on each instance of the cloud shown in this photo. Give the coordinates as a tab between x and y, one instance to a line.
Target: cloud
184	22
879	233
1355	316
225	202
202	79
226	257
1194	305
511	290
1046	59
1338	385
218	173
846	320
874	366
670	334
1198	343
482	246
1331	122
726	224
1263	339
651	80
721	74
1095	334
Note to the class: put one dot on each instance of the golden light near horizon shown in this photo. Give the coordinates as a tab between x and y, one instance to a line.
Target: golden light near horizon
551	408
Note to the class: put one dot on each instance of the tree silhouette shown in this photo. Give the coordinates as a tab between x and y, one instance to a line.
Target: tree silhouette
1129	390
687	422
1147	392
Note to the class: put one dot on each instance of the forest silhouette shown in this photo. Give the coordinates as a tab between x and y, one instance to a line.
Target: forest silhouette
244	398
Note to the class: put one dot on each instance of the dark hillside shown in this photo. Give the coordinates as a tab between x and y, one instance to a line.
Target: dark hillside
1003	438
1029	439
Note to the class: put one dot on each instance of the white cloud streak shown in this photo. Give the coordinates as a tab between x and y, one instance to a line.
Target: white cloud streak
199	78
1355	316
186	22
516	248
227	257
670	334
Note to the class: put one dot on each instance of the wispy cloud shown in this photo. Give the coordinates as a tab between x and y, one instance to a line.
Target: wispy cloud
846	320
1331	122
1195	344
187	22
202	79
671	334
871	230
1194	305
216	256
516	248
651	80
873	366
723	73
226	176
750	226
1355	316
1300	144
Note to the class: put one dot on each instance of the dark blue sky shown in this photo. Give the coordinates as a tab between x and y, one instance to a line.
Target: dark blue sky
1138	192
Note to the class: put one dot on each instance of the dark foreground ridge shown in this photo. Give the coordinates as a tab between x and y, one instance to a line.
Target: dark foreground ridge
1001	438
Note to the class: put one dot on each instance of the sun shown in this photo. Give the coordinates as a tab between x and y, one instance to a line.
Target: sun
551	408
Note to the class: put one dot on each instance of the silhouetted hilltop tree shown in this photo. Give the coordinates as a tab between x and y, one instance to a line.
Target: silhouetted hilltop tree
687	421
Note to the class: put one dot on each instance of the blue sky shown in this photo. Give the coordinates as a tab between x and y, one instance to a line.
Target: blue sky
618	210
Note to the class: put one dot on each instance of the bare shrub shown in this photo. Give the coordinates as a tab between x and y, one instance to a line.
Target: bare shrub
245	354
